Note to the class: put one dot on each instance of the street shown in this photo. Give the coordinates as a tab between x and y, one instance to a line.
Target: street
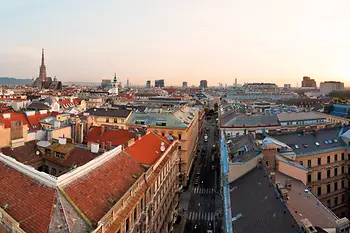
204	203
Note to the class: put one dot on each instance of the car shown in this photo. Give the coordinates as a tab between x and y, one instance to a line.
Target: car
198	173
205	138
210	227
212	167
196	183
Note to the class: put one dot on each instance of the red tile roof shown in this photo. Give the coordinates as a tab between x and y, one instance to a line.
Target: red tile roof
15	116
110	180
34	120
146	150
116	136
25	154
29	202
64	102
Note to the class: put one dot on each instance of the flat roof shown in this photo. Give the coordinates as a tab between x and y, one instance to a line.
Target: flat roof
255	199
299	116
303	204
254	120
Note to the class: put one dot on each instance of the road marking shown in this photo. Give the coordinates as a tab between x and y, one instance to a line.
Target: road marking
206	216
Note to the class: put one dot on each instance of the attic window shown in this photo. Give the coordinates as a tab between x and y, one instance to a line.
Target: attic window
317	143
161	123
139	122
330	141
296	147
326	142
134	176
306	145
335	140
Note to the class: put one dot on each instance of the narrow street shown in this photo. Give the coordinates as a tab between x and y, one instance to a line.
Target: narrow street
204	201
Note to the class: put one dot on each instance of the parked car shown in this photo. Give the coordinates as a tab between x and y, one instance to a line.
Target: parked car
210	227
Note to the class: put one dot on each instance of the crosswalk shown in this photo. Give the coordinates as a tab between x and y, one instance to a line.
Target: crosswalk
203	190
201	216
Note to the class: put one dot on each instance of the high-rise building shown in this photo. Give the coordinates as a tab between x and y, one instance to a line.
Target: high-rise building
235	82
329	86
308	82
287	86
148	84
159	83
203	84
184	84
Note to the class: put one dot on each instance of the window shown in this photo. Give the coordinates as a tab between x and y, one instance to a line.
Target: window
163	134
179	147
342	198
309	163
319	175
349	153
329	203
308	177
342	169
342	156
335	171
115	120
319	191
328	173
107	120
342	184
135	214
160	123
336	201
319	161
328	188
179	136
335	186
328	159
139	122
53	171
335	157
127	225
301	163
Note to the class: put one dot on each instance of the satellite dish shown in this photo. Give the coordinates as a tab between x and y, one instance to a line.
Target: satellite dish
37	152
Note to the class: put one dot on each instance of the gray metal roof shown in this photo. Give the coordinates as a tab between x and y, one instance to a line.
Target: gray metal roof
299	116
254	197
306	142
109	112
255	120
151	119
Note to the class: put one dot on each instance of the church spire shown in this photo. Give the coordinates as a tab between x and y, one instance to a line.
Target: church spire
42	57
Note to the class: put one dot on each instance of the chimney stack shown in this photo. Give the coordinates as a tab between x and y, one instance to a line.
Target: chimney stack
102	145
284	194
137	136
103	128
288	184
108	145
342	225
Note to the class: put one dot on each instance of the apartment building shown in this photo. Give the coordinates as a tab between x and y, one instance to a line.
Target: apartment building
139	183
109	116
324	157
181	124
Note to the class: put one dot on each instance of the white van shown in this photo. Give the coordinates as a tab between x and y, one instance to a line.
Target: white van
205	138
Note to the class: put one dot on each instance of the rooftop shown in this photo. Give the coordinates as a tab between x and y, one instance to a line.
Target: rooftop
254	120
303	204
165	120
299	116
243	148
309	142
92	194
115	136
28	201
255	199
38	106
7	118
109	112
147	150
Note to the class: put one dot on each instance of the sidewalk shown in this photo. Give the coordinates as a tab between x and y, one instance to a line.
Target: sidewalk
183	204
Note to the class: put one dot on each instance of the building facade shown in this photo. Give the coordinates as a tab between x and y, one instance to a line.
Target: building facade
308	82
159	83
330	86
261	88
203	84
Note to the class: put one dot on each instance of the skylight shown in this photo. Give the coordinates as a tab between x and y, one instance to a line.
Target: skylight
317	143
296	147
335	140
326	142
330	141
306	145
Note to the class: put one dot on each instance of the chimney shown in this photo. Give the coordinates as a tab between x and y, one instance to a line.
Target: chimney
108	145
342	225
102	145
284	194
95	147
137	136
307	227
62	140
288	184
103	128
273	177
130	142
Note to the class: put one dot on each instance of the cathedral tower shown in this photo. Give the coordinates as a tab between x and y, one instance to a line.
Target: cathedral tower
42	73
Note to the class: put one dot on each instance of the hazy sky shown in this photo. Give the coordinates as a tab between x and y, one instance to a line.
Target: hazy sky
184	40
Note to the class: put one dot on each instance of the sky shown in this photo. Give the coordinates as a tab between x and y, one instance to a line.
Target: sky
252	40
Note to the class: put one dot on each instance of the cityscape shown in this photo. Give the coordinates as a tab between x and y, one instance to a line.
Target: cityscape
155	144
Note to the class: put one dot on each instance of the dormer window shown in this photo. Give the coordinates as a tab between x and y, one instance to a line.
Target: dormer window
161	123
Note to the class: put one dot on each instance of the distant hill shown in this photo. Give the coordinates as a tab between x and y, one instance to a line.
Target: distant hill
14	81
